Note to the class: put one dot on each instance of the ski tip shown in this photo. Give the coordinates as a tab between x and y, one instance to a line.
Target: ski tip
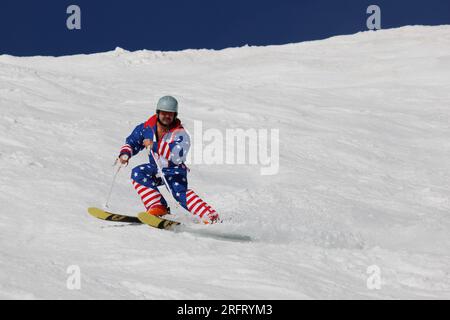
98	213
92	210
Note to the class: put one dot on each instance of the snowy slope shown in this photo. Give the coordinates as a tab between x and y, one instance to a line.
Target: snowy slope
363	180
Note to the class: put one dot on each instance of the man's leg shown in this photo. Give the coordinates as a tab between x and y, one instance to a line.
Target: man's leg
146	185
200	208
187	198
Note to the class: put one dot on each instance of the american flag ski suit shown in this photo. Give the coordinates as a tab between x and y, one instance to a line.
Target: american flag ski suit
171	151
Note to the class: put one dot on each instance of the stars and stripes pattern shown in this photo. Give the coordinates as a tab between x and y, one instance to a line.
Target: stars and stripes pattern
199	208
164	150
150	197
126	149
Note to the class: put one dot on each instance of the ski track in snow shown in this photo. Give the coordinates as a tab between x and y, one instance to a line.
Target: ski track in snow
364	171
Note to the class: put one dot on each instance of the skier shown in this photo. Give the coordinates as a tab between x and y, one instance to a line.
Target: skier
165	136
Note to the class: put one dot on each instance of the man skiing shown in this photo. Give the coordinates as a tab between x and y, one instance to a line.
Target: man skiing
168	142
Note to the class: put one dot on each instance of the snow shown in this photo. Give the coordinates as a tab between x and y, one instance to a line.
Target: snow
363	178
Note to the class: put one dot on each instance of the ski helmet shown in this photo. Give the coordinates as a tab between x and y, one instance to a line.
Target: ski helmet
167	103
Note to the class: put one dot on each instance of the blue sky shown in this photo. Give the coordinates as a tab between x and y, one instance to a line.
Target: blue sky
39	27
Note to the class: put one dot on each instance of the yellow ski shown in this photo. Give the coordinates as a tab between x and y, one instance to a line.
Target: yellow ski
157	222
109	216
143	217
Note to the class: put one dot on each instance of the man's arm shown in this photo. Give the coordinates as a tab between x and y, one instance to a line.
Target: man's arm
133	143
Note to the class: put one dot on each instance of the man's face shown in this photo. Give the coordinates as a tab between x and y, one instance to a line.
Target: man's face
166	118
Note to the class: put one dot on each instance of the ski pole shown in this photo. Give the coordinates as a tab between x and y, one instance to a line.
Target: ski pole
150	152
112	185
